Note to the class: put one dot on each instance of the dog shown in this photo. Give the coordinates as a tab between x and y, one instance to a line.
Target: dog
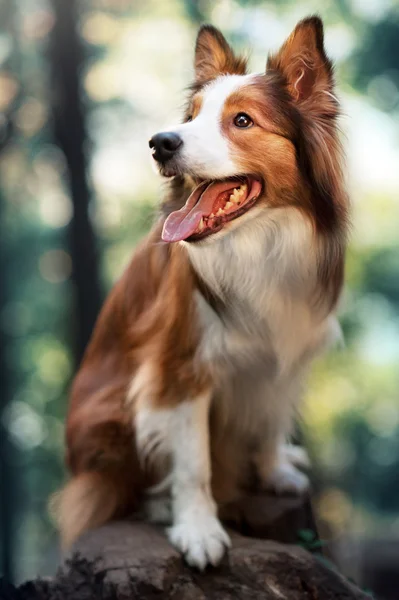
190	384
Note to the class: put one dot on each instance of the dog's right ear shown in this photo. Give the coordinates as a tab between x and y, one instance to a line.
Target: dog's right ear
214	56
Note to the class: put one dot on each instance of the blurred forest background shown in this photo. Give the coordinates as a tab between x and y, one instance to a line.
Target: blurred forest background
83	85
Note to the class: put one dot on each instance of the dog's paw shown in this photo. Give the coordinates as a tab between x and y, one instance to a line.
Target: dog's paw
287	479
296	455
202	541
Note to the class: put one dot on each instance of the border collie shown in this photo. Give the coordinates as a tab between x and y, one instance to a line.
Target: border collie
193	375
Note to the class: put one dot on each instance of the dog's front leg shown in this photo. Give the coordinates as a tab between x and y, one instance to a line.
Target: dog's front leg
183	432
196	530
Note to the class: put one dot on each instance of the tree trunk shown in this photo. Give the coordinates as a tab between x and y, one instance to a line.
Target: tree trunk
66	59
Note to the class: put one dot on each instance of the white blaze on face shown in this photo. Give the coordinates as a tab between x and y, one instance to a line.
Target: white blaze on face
205	151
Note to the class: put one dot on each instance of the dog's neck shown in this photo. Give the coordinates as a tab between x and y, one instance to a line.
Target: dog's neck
271	253
260	294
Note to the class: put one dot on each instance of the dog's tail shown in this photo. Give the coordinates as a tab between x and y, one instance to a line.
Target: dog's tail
88	500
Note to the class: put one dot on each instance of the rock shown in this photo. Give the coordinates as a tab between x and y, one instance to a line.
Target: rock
132	560
268	516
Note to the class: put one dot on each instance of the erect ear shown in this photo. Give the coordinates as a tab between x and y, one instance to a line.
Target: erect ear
303	62
213	55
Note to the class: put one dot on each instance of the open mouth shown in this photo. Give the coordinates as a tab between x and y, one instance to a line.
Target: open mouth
210	206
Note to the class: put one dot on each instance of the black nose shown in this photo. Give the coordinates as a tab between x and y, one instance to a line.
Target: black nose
165	145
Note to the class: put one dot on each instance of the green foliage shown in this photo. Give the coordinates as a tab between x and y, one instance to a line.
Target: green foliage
307	538
376	60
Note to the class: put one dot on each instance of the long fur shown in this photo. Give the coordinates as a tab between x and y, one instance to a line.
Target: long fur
190	385
87	501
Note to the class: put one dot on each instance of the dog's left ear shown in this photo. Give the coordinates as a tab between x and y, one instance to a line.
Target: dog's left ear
303	62
214	56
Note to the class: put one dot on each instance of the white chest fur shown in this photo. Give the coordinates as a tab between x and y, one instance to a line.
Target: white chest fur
265	274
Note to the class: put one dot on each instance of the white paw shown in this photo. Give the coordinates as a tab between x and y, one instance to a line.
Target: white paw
296	455
202	541
287	479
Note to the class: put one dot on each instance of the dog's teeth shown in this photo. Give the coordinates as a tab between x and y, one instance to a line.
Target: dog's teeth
201	225
243	189
219	213
211	216
235	197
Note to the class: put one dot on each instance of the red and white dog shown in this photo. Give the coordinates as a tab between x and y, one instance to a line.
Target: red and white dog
194	371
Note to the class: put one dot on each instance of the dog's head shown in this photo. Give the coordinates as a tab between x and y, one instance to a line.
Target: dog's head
249	143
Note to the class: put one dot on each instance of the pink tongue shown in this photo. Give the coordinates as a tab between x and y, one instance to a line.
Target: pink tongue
182	223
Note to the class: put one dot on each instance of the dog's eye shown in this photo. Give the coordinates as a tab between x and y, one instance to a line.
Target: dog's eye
189	118
243	121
